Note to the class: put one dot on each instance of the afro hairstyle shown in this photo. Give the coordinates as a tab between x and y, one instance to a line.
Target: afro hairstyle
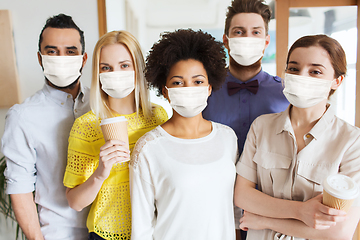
184	44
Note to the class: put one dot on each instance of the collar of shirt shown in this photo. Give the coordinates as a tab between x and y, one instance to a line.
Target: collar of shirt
61	97
284	123
321	126
260	77
82	93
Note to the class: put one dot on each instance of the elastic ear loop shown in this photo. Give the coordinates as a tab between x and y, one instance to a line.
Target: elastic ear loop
167	95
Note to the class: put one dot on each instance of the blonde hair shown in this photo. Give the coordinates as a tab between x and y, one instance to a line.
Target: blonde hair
98	98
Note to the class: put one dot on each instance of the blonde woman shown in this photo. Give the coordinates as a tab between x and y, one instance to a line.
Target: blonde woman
96	172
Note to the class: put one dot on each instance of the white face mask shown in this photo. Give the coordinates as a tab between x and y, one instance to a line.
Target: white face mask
118	84
246	50
62	70
305	92
188	101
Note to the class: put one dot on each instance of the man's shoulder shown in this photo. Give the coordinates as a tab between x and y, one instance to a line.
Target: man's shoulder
86	89
270	78
29	103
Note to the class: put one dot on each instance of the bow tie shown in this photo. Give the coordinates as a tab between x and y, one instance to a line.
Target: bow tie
234	87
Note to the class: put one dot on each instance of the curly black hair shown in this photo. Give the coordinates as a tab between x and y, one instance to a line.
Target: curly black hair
184	44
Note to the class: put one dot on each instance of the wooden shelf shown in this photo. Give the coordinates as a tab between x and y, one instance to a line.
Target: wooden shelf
9	79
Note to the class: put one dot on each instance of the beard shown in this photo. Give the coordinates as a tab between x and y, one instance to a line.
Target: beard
70	86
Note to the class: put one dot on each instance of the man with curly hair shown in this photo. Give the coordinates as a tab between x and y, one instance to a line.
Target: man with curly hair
248	91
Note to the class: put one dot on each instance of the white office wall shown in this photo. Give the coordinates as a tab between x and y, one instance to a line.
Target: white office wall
115	15
28	19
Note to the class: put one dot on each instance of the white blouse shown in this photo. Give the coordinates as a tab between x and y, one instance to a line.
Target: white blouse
183	188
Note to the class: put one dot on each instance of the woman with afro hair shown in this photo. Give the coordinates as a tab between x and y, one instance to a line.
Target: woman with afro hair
182	173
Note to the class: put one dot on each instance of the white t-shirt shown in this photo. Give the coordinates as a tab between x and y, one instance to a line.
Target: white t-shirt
183	188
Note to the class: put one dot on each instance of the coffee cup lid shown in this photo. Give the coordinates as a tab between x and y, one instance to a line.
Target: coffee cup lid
112	120
341	186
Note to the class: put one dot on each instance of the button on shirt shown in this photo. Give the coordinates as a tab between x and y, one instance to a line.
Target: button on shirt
239	110
35	145
270	158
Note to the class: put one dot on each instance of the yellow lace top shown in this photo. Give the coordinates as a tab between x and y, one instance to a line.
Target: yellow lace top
110	213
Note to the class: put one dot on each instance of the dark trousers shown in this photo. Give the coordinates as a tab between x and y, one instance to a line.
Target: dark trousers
243	234
94	236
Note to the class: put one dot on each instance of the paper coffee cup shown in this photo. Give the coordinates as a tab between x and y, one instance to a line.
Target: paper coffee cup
339	191
115	128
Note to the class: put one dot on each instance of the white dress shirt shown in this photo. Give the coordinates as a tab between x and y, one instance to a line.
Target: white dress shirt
35	145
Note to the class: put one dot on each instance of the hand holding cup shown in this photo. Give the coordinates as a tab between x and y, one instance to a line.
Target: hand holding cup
116	148
112	152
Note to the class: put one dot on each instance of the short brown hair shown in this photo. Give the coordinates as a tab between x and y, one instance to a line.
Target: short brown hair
248	6
331	46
